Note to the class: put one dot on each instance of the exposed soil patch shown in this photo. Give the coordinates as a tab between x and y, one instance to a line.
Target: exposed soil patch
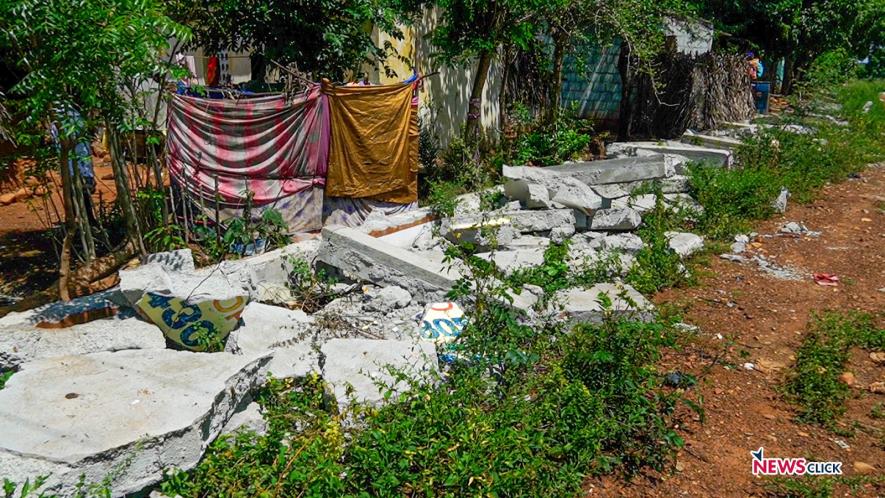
762	321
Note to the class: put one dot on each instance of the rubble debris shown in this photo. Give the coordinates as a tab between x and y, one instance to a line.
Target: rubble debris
711	155
625	242
684	244
178	260
247	417
539	220
367	258
392	297
359	369
780	204
477	230
775	270
130	414
641	203
795	228
62	314
530	195
279	332
740	243
561	189
619	170
725	143
616	220
584	305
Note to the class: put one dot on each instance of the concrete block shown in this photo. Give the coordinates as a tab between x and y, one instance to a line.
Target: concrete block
719	157
246	418
150	277
483	232
561	188
624	242
616	220
584	305
367	258
387	299
684	244
19	345
127	414
641	203
360	365
609	193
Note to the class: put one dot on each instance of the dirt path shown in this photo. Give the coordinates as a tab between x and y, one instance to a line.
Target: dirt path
766	318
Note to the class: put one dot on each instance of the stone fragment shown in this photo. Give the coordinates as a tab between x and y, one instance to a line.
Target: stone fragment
510	261
621	170
561	188
126	414
562	233
359	369
389	298
716	156
641	203
19	345
616	220
530	195
247	418
684	244
584	305
539	220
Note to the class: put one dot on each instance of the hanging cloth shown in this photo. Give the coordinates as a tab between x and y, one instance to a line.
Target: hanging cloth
374	142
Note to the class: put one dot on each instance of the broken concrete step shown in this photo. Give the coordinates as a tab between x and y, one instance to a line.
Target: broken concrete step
584	305
719	157
20	345
367	258
725	143
358	366
621	170
128	414
561	189
611	220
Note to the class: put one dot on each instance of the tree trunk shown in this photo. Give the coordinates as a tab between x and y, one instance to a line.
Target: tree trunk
789	67
474	108
625	113
560	38
64	269
123	196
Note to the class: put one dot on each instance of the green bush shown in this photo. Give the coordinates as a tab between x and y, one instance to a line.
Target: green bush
546	144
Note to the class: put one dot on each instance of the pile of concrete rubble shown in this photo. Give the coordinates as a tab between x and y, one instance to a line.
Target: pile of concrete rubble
108	396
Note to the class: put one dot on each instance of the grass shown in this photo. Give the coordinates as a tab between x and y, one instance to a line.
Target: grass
4	377
814	386
734	198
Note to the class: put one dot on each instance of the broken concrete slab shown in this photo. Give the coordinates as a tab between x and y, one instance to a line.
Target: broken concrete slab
19	345
539	220
136	281
684	243
584	305
510	261
562	189
62	314
128	414
621	170
641	203
529	195
266	276
528	242
357	366
719	157
178	260
609	193
367	258
715	142
612	220
285	334
483	232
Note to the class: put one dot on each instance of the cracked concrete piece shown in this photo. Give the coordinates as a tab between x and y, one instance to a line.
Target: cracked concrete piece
285	334
562	188
716	156
136	281
483	233
59	311
529	195
726	143
583	305
684	243
621	170
616	220
538	220
640	203
361	363
368	258
246	418
625	242
129	413
21	345
387	299
510	261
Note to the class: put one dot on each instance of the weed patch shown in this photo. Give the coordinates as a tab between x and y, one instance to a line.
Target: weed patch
815	387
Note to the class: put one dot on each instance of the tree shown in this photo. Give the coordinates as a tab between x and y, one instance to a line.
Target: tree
325	38
477	29
76	57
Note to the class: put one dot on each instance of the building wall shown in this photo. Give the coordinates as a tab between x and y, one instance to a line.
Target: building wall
445	96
